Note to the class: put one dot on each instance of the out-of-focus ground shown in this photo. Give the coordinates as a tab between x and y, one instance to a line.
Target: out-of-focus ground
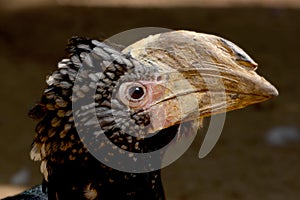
245	164
152	3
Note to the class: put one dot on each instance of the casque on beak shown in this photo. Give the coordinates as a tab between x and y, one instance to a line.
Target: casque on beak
200	75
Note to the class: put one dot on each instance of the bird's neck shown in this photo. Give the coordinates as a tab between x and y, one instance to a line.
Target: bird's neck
93	180
87	178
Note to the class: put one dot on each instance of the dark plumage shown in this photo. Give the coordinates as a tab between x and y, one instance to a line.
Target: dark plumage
71	172
129	95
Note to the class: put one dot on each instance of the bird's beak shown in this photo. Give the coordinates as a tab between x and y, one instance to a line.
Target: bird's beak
198	75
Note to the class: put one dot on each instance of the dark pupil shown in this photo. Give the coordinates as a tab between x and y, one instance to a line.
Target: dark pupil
136	92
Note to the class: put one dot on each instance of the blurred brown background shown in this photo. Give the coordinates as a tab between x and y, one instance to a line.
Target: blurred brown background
258	154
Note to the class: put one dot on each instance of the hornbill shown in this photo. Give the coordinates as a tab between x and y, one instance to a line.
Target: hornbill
140	96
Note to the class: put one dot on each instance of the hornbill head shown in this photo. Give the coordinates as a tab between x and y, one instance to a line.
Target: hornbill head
150	87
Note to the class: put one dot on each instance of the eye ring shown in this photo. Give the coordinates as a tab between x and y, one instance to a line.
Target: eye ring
136	92
132	94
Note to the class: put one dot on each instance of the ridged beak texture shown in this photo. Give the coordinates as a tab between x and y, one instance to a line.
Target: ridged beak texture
201	75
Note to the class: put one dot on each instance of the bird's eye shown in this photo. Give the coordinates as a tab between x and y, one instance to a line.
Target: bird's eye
136	92
133	94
